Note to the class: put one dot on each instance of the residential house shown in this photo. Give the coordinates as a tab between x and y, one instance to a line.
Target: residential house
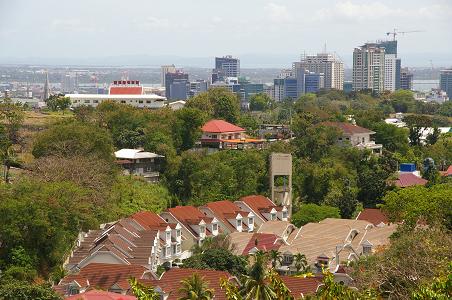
169	284
248	243
195	225
263	209
219	134
230	217
408	176
332	241
355	135
142	239
300	287
103	276
140	163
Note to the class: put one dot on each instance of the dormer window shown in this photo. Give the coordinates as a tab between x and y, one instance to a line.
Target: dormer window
178	233
168	235
273	216
367	249
239	223
214	227
202	229
250	221
284	215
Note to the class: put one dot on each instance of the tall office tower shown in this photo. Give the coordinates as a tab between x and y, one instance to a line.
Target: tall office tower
46	93
369	67
197	87
167	69
390	47
406	79
177	77
68	84
226	66
285	88
313	82
330	66
445	82
390	72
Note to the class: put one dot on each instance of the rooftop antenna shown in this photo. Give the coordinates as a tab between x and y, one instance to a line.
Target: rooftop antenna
324	47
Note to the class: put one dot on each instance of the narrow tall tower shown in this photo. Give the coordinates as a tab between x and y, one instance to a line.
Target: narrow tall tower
46	94
281	179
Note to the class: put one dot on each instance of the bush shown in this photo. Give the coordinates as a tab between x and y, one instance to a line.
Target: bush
310	213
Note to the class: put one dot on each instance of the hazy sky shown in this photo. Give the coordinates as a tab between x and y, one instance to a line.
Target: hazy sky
207	28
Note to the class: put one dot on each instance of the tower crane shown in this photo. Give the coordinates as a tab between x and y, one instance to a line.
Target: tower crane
396	32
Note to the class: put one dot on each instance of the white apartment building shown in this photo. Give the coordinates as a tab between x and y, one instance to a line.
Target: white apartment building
328	64
369	67
390	72
140	101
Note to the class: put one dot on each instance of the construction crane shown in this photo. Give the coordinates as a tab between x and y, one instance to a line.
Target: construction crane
395	33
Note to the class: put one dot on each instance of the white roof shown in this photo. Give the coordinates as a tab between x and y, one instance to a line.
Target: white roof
177	102
106	96
135	154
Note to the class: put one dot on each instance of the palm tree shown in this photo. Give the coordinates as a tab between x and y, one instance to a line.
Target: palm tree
195	288
255	286
300	262
275	257
143	292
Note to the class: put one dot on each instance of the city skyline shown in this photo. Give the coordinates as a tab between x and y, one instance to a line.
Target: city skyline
275	32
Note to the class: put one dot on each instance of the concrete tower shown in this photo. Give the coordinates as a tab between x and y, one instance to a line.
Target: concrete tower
281	180
46	93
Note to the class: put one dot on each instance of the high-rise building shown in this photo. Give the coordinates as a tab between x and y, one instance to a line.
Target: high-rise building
445	82
390	72
167	69
369	67
197	87
313	82
390	46
285	88
178	78
226	66
406	79
68	84
324	63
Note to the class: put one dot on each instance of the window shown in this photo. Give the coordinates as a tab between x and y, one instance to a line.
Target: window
214	136
123	101
214	227
250	221
86	101
168	235
178	233
363	140
168	251
367	249
284	214
95	101
273	216
148	101
140	101
202	229
239	223
177	248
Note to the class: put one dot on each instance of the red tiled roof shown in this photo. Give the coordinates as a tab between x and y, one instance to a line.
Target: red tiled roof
448	172
104	276
373	215
258	203
265	242
220	126
409	179
100	295
225	210
126	90
149	219
301	286
170	281
188	214
347	128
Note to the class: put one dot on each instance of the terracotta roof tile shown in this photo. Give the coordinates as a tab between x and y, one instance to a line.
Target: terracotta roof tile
301	286
347	128
100	295
409	179
265	242
225	210
373	215
258	204
126	90
149	219
220	126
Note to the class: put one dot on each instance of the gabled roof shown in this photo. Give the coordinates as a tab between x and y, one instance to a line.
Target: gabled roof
265	242
100	295
373	215
225	210
220	126
170	281
104	276
301	286
347	128
259	204
149	219
189	215
409	179
135	154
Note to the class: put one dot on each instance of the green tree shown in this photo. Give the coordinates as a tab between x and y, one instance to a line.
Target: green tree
275	257
219	103
58	102
416	124
439	289
143	292
12	115
73	139
255	285
189	126
260	102
402	101
301	264
311	213
391	137
433	137
195	288
22	290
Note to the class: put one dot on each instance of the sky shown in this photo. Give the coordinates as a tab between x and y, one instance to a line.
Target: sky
266	32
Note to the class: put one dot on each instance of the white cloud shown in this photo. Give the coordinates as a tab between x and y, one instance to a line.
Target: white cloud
155	23
278	13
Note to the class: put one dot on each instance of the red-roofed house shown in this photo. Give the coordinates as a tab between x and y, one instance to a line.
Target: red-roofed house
100	295
374	216
109	277
355	135
301	287
219	134
231	218
263	208
262	241
170	282
195	225
409	179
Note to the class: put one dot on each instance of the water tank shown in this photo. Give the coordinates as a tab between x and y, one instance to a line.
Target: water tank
408	167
